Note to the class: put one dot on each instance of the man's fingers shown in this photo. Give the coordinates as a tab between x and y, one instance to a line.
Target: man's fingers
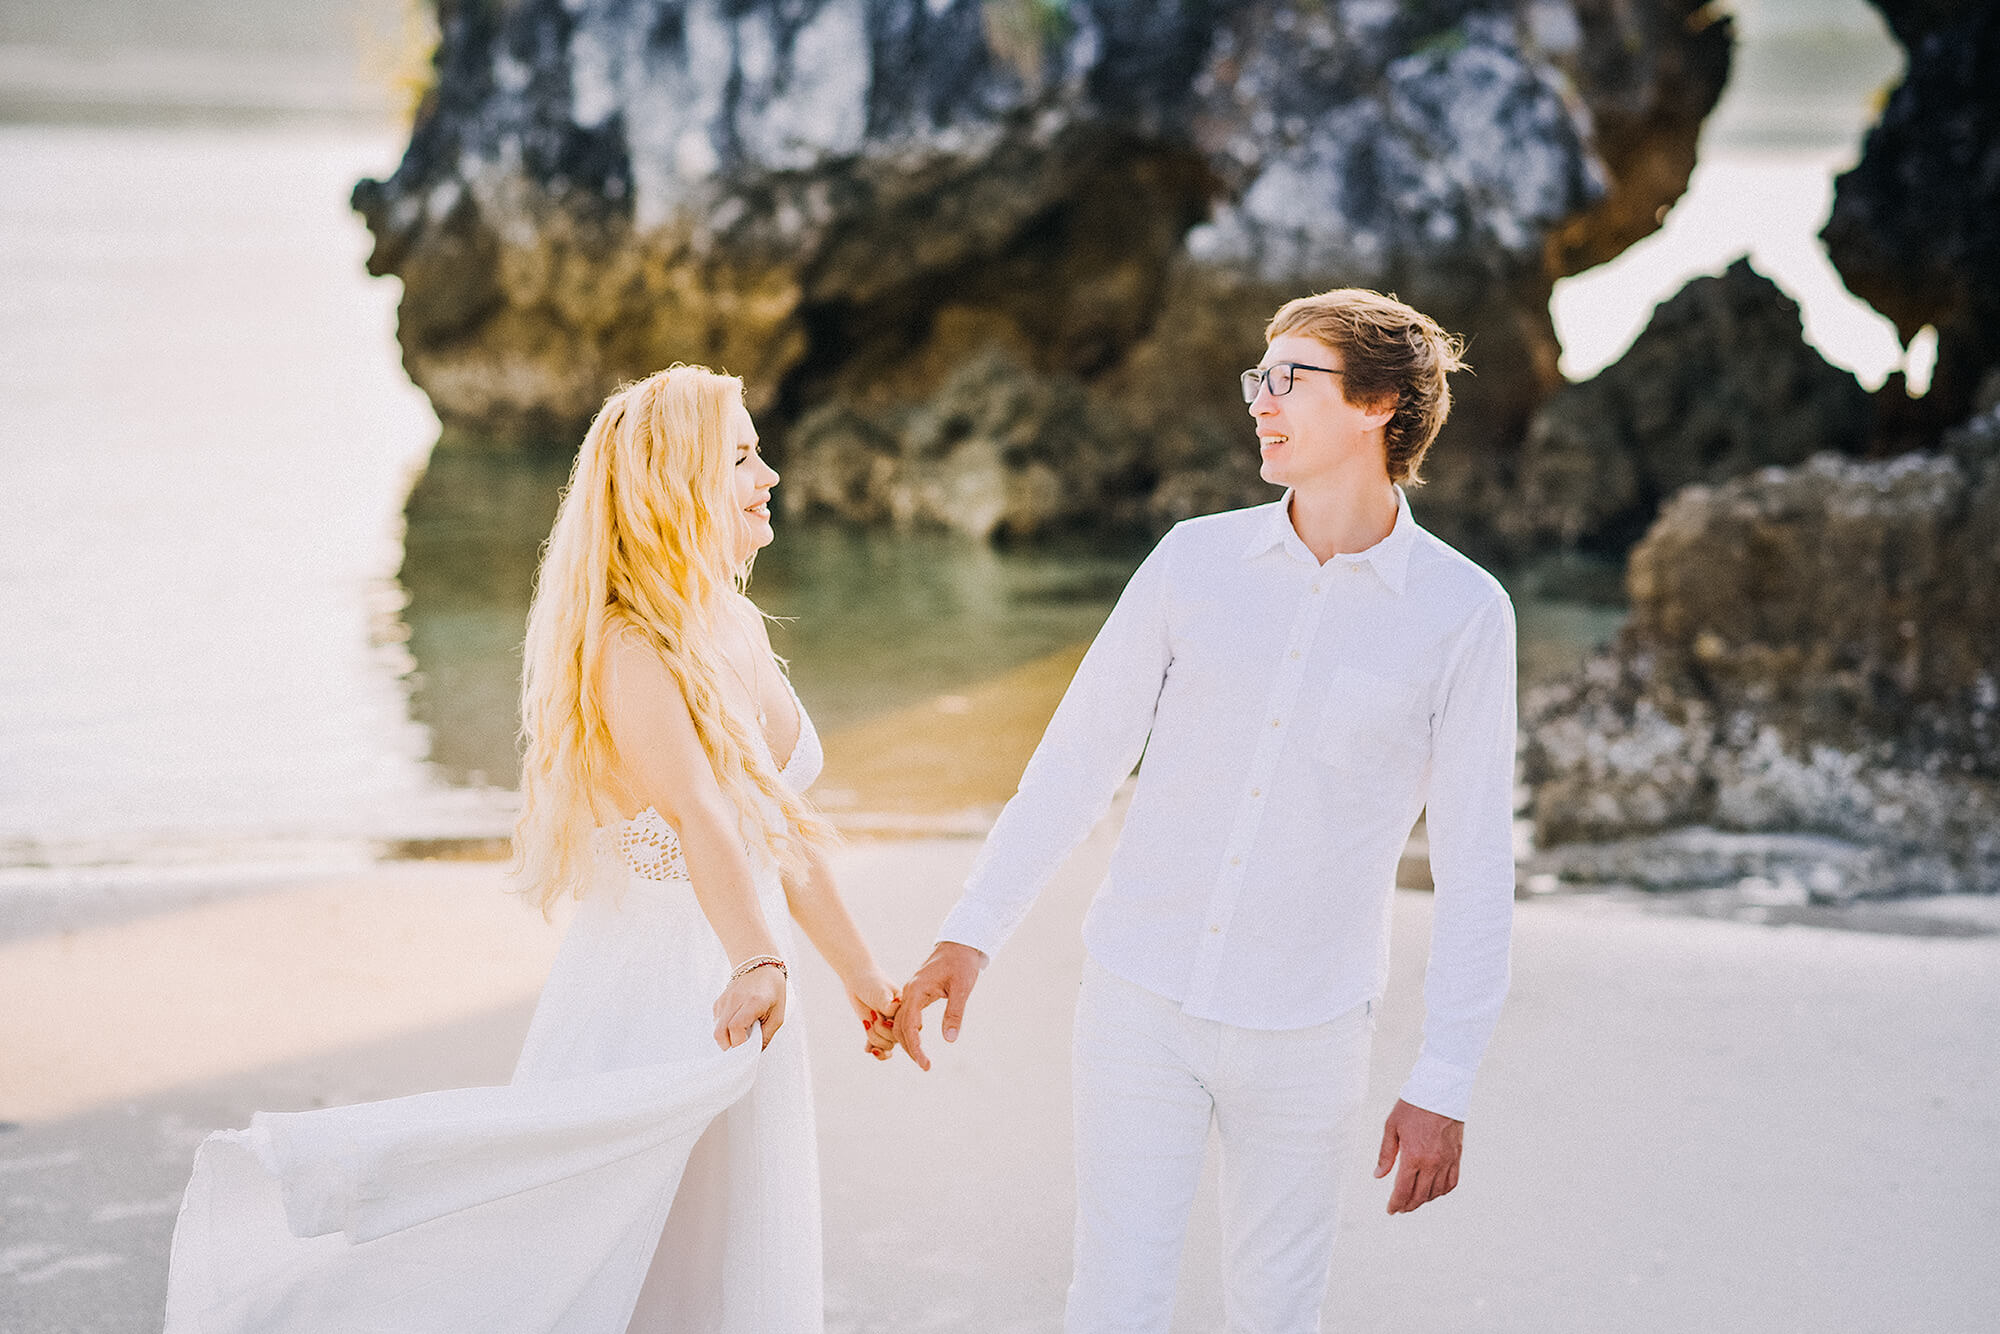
1400	1194
910	1020
920	994
954	1013
1420	1182
1404	1197
1386	1159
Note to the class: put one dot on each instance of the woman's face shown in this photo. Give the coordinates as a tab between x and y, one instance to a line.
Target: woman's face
754	479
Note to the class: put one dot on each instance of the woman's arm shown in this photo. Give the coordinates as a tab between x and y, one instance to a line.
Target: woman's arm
810	890
821	913
664	766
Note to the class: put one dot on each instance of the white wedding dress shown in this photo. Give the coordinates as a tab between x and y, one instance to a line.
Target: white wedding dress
630	1177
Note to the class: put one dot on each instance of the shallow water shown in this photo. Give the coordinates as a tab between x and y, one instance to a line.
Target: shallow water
221	641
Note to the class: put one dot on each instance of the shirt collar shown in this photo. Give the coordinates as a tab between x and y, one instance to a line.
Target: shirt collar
1389	558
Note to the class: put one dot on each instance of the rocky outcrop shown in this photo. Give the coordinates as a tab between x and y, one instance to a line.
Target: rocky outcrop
999	450
1807	696
1721	383
1915	227
1810	657
850	202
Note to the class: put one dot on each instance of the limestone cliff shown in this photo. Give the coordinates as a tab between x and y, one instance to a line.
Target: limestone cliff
856	204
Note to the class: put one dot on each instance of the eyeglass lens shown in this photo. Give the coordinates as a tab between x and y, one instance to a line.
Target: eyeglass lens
1280	377
1281	381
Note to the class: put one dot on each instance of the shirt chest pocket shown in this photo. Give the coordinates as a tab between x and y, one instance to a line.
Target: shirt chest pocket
1373	727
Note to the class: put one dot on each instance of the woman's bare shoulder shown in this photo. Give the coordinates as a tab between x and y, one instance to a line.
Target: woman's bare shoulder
635	674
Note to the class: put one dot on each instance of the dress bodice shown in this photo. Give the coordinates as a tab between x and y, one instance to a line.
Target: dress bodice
649	846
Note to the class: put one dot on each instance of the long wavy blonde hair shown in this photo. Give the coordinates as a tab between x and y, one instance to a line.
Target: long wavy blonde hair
645	541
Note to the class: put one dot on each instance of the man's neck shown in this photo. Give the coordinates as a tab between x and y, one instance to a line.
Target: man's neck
1332	520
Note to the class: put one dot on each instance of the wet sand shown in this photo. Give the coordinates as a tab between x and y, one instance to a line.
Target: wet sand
948	763
1684	1124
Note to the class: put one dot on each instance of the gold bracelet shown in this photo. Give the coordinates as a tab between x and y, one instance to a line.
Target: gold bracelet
756	961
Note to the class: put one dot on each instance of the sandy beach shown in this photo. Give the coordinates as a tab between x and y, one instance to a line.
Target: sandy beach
1683	1124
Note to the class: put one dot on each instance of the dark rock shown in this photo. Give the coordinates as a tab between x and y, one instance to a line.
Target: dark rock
1720	383
999	451
1810	651
1915	227
846	200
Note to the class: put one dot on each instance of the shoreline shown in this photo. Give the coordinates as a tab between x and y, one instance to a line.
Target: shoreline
1682	1124
940	767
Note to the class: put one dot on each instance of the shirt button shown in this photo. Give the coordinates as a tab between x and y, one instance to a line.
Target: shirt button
1274	722
1256	791
1315	588
1235	861
1295	653
1215	931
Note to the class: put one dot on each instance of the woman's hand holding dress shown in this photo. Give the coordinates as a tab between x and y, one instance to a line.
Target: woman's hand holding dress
756	997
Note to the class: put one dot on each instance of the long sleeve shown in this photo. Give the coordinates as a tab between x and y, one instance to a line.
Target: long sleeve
1471	813
1091	745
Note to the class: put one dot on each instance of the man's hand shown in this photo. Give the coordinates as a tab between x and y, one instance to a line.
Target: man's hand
948	975
1430	1146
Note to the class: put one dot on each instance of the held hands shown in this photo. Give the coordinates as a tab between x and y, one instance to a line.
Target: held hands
1430	1146
948	975
875	1000
758	996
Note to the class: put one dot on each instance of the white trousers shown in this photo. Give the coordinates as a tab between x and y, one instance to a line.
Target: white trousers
1149	1081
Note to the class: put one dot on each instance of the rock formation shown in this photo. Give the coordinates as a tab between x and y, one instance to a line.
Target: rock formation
1721	383
1915	228
1811	656
1808	689
1089	206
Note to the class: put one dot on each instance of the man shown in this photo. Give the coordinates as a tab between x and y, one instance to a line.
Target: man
1303	678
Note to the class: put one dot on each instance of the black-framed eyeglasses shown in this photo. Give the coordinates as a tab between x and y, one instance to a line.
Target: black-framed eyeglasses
1278	377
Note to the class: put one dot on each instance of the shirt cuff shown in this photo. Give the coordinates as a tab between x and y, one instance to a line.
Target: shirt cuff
1439	1087
967	925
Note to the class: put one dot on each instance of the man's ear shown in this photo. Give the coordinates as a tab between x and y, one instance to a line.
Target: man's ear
1378	414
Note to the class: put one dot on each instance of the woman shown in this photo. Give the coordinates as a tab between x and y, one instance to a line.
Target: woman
652	1164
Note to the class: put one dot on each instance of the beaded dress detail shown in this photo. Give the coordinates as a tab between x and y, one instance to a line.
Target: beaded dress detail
631	1176
650	846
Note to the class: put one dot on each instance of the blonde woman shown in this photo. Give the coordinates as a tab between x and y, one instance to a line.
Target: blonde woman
652	1164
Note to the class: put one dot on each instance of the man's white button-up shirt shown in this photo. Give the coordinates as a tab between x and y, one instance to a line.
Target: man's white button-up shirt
1294	718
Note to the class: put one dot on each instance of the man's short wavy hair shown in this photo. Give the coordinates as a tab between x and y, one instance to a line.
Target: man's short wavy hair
1390	353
